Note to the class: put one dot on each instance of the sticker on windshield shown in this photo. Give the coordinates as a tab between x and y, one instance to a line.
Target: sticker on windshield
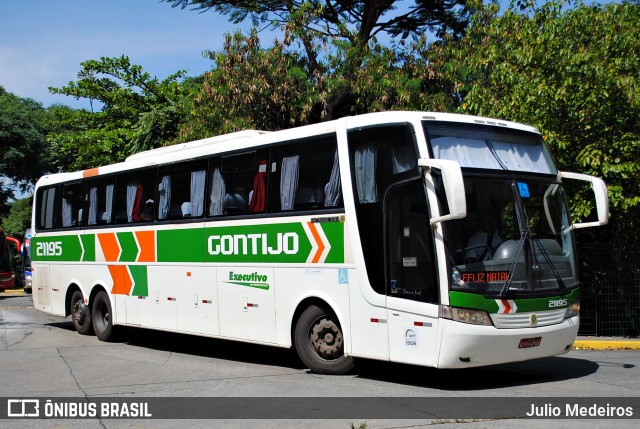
523	188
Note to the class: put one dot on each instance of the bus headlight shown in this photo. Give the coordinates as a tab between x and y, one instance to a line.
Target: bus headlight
465	315
572	310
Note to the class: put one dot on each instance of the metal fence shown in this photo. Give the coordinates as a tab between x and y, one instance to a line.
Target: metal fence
610	300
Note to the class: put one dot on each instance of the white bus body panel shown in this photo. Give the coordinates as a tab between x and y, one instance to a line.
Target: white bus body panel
413	331
197	300
246	312
486	345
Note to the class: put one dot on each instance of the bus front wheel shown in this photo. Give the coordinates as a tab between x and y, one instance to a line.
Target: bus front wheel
102	316
320	343
80	314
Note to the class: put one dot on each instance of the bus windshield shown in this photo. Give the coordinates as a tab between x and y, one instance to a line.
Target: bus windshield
514	240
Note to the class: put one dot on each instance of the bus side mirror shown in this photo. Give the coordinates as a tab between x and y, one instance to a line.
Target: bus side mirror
600	193
453	187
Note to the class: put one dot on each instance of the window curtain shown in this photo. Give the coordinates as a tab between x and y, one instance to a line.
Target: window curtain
468	152
522	157
197	192
165	197
67	212
402	159
289	181
332	188
134	201
93	206
365	172
218	192
109	204
258	199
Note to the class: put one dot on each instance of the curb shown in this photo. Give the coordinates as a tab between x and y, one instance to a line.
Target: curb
606	345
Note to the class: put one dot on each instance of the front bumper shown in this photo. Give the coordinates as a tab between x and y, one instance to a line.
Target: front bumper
466	346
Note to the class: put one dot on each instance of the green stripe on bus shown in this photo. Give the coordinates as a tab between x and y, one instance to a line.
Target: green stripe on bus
140	280
269	243
128	246
89	245
524	305
335	234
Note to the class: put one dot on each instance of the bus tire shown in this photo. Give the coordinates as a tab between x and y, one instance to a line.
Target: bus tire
319	342
102	316
80	314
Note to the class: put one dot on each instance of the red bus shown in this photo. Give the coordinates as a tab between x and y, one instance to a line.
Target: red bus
7	275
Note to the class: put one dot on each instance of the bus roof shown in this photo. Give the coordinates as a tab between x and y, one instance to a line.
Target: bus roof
238	141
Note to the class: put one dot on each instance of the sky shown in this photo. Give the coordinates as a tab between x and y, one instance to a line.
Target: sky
43	42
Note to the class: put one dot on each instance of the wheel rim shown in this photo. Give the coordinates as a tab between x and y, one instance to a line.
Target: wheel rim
326	339
79	313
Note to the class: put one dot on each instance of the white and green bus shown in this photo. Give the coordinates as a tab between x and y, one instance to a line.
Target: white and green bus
425	238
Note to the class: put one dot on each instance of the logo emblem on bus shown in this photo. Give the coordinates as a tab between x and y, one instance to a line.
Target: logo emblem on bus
533	319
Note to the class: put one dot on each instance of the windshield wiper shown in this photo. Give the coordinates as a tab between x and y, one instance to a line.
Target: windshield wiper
547	259
495	154
524	237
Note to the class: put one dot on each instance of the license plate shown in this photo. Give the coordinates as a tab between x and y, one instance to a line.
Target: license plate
525	343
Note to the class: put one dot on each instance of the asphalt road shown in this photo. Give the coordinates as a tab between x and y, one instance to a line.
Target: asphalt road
41	356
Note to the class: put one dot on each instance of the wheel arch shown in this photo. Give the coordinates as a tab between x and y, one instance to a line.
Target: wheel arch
320	302
94	291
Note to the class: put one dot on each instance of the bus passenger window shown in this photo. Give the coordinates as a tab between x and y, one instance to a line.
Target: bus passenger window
72	205
181	190
99	196
133	190
45	205
242	179
305	176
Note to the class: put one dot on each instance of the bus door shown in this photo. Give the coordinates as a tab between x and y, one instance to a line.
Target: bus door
411	274
390	203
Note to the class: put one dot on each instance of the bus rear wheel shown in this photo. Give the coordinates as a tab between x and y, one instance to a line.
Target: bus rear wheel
80	314
102	316
320	343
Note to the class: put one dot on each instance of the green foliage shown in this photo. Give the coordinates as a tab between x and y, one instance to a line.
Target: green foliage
350	20
138	112
572	73
251	87
333	39
16	222
23	154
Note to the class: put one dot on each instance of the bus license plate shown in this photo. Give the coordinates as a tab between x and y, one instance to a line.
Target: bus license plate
525	343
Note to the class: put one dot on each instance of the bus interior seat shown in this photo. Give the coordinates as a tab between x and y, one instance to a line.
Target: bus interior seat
174	212
186	209
234	204
308	198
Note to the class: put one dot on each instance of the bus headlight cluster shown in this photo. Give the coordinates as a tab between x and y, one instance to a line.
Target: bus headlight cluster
465	315
572	310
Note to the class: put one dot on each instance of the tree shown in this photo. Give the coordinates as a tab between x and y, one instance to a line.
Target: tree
342	30
250	88
572	73
23	151
18	219
137	112
269	89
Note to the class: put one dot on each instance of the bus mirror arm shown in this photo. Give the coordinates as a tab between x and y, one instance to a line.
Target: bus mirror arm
600	193
453	187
